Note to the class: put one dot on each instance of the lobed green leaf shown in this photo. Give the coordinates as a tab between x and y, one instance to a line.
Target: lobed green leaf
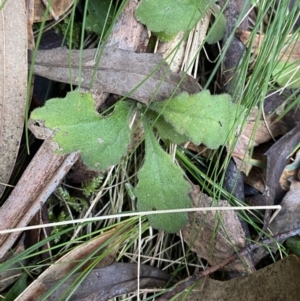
204	118
171	16
165	129
162	186
102	140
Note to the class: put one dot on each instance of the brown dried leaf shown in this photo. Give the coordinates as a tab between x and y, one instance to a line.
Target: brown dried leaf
254	133
278	281
106	283
59	7
66	263
290	172
290	53
144	75
256	178
288	217
213	235
277	159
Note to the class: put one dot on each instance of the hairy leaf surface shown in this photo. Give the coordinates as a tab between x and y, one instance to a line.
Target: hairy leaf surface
171	16
202	117
165	129
102	140
162	186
